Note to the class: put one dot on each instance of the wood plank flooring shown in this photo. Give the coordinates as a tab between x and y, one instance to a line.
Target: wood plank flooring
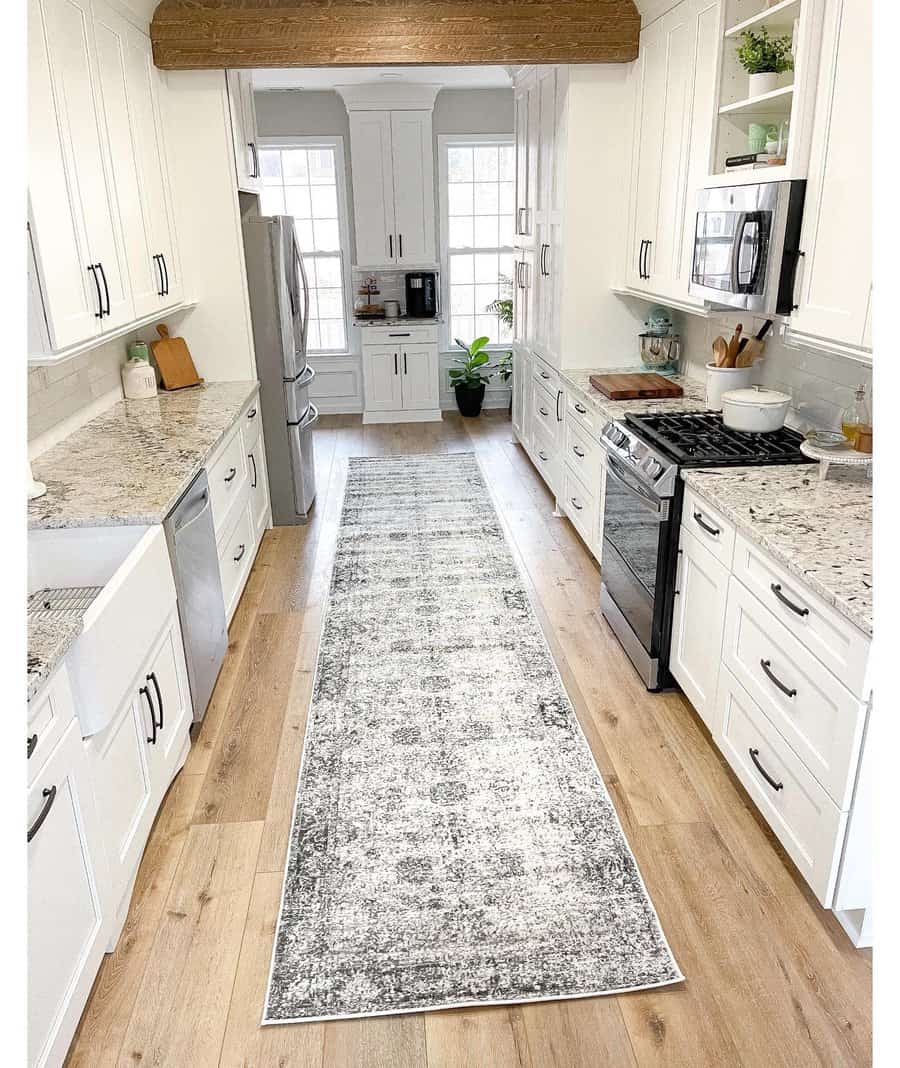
771	978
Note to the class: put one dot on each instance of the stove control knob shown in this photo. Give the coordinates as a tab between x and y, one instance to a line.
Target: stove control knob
619	437
654	468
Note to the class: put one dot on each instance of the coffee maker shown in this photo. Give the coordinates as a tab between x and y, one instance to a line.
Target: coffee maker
421	295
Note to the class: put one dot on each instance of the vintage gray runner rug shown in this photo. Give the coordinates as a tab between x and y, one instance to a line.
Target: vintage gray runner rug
453	842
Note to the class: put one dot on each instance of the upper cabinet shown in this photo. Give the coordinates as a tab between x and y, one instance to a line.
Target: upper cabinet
244	131
392	157
835	273
102	241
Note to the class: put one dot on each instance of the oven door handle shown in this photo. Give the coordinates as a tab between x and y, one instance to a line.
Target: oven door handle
745	218
650	501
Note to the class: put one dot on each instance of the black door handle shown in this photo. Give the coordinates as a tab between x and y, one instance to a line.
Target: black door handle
558	398
241	550
400	243
92	269
143	690
152	678
404	362
231	473
251	414
754	756
776	589
32	744
157	259
766	665
580	408
252	460
391	245
641	259
49	795
578	452
395	363
165	266
576	504
105	287
698	519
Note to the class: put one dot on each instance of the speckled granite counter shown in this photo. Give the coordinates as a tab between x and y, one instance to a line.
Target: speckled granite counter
819	531
130	465
694	399
48	642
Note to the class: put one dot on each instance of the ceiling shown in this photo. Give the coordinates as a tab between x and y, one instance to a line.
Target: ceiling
328	77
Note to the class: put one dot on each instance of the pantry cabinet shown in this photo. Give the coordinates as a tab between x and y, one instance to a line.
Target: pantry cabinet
835	274
393	187
401	376
244	130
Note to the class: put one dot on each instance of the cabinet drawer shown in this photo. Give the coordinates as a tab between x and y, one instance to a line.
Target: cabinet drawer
543	411
841	646
709	526
580	506
545	454
818	717
399	335
584	415
807	822
48	716
236	552
546	376
251	421
585	457
227	476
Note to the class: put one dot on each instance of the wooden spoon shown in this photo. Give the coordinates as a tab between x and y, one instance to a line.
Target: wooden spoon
720	351
734	345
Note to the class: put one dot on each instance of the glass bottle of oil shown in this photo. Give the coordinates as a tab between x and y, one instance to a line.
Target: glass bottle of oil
856	416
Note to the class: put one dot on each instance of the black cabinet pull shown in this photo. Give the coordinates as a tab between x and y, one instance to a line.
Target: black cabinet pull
404	363
165	267
578	452
698	519
251	414
544	250
92	270
231	473
544	374
241	550
776	589
157	259
766	665
400	243
252	460
395	363
152	678
49	795
32	744
543	411
143	690
576	504
641	259
558	399
580	408
399	335
105	286
543	456
391	246
254	159
754	756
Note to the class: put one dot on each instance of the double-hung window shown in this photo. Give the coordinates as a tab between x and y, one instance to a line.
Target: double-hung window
477	190
304	177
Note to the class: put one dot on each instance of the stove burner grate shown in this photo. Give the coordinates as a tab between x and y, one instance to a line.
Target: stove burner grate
701	438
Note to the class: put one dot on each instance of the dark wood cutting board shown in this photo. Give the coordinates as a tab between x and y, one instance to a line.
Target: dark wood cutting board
636	386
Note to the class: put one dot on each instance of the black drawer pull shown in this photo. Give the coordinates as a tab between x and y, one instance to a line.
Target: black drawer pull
399	335
754	756
252	460
576	504
776	589
580	408
543	456
251	414
578	452
32	744
49	795
241	550
152	678
143	690
232	471
698	518
543	411
766	665
544	374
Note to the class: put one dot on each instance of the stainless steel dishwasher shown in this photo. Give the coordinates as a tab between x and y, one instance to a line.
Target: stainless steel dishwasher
191	538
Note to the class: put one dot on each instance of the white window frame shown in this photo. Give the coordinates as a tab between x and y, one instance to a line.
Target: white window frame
336	143
444	142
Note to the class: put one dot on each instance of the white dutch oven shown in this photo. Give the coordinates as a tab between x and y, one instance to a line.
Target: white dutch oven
755	410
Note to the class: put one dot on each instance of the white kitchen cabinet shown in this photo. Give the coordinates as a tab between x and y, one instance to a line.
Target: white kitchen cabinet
381	377
548	214
521	395
131	86
66	904
523	297
393	187
835	272
419	378
701	588
401	374
74	225
244	130
527	114
166	681
259	488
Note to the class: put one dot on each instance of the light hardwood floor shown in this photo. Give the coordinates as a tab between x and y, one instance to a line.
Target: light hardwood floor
771	978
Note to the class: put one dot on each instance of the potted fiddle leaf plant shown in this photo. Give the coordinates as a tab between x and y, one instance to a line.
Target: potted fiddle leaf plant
471	375
764	58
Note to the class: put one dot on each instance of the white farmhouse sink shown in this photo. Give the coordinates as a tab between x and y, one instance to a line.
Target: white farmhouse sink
132	566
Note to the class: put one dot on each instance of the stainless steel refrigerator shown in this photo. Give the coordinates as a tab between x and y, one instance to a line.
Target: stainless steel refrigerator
279	308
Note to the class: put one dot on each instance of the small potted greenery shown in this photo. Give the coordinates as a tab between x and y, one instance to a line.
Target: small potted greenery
764	58
470	378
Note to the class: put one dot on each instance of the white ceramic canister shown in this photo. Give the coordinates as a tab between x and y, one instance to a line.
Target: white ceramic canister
720	379
138	379
755	410
392	309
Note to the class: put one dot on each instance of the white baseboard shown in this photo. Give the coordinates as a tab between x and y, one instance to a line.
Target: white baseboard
427	415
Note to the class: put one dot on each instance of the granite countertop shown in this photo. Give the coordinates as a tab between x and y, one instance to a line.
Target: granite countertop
48	642
694	399
820	531
402	320
130	465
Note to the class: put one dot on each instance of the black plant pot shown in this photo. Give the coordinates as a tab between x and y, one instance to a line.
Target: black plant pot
469	401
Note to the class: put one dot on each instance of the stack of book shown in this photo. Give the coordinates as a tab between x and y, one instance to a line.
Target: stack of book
752	161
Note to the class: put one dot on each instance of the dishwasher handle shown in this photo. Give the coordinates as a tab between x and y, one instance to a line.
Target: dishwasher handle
187	520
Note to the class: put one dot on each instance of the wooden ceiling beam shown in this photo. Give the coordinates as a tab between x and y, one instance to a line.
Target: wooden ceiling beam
202	34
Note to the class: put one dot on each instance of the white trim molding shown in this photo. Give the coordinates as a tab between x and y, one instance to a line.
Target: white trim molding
384	96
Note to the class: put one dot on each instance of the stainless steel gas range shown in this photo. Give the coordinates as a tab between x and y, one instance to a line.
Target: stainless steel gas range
644	495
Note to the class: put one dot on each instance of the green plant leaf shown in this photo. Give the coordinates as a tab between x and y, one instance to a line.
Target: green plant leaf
478	344
479	359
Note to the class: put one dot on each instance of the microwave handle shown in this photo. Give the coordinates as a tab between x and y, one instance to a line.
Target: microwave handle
737	286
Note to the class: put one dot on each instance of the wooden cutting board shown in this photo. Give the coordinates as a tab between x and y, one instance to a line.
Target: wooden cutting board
636	386
173	358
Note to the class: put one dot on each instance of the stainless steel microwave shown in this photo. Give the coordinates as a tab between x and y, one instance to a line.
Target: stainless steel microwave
746	246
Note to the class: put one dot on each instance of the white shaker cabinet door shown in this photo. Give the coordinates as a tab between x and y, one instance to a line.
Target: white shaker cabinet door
243	129
373	187
381	376
413	164
66	934
165	678
836	271
420	377
699	620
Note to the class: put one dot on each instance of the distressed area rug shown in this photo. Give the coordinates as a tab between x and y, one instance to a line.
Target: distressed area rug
453	842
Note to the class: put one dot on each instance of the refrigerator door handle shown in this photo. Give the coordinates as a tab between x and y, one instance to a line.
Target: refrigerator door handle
306	376
310	419
304	319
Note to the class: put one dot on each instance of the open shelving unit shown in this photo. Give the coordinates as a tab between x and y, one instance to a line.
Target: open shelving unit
778	19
